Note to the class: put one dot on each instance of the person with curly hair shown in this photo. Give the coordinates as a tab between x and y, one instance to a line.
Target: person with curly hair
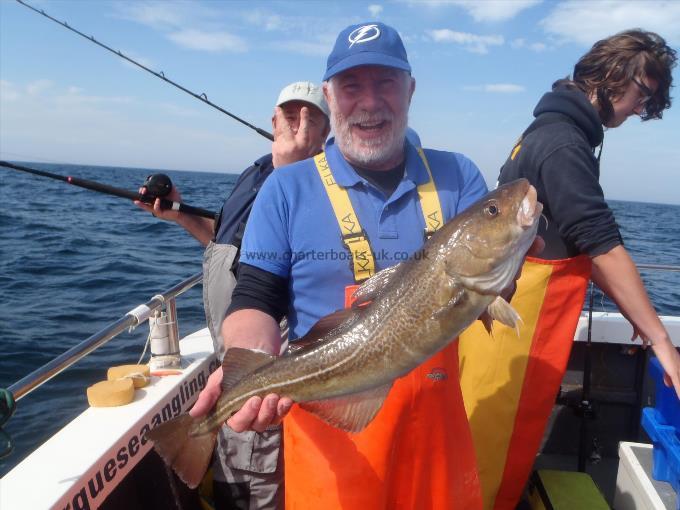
509	386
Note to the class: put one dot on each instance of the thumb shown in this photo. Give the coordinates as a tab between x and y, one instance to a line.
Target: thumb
208	397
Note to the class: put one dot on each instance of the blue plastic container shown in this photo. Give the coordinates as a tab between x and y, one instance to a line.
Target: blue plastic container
662	424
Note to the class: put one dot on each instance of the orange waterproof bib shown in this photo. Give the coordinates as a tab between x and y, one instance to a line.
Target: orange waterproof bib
510	384
416	453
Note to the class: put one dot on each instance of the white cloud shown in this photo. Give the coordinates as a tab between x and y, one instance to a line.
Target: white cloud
375	10
167	15
504	88
313	49
190	25
586	23
44	91
472	42
37	87
75	97
8	92
522	43
157	15
274	22
79	128
484	10
495	10
302	34
538	47
497	88
312	43
138	58
178	111
265	20
208	41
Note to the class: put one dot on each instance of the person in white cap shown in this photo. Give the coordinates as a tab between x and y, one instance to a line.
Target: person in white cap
250	475
300	126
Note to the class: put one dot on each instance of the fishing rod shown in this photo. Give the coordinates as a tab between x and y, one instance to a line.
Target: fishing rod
117	192
201	97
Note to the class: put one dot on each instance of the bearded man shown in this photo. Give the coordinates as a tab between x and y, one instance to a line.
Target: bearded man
301	257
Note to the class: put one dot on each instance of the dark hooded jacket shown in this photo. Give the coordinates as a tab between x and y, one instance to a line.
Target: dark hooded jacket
556	154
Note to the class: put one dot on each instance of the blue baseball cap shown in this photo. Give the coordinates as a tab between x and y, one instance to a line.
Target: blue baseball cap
371	43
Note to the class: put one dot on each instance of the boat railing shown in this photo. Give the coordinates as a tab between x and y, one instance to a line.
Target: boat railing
134	318
129	321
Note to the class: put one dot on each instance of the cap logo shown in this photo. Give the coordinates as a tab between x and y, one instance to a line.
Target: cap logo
363	34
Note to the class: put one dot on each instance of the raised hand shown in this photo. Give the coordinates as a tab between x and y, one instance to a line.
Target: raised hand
290	144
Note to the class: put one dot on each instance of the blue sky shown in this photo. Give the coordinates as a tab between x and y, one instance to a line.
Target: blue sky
480	68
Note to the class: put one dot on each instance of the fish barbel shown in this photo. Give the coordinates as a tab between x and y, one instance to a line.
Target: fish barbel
401	316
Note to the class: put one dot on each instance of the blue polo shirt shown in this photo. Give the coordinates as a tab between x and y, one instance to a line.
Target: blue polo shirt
293	232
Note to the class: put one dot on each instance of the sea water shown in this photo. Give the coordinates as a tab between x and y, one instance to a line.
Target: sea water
73	261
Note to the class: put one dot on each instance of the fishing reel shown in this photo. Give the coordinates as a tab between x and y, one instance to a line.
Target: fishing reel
157	186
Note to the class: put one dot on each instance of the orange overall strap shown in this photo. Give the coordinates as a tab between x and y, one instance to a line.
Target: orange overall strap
509	384
416	453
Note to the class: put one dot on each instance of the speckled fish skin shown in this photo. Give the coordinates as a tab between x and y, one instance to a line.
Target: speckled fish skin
423	306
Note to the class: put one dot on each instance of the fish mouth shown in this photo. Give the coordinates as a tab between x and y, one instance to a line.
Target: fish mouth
530	209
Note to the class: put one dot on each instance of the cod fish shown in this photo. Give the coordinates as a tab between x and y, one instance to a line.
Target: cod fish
401	317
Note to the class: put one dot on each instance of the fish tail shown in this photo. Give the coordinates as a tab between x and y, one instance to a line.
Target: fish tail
188	455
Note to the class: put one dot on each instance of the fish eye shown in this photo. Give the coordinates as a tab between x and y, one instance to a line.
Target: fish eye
492	209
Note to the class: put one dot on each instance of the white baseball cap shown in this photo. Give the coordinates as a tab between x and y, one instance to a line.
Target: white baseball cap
306	92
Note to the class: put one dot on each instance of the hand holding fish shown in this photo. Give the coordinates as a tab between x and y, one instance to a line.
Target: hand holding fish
256	414
259	414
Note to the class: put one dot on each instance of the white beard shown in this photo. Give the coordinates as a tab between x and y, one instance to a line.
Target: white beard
368	153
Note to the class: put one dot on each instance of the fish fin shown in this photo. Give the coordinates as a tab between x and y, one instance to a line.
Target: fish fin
370	289
449	296
501	310
321	329
239	362
188	455
487	321
351	413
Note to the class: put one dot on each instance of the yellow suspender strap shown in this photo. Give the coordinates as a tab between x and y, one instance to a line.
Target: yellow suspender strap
429	201
353	235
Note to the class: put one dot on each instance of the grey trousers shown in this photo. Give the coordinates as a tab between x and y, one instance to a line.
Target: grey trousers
251	464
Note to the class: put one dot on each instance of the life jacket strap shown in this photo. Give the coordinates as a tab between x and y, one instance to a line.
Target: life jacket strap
429	201
354	237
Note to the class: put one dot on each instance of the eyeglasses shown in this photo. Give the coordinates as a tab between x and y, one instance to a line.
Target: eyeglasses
647	93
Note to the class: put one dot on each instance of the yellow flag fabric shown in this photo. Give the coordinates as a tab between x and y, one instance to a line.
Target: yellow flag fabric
510	381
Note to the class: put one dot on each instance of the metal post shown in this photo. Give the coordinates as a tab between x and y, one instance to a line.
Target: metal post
173	331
